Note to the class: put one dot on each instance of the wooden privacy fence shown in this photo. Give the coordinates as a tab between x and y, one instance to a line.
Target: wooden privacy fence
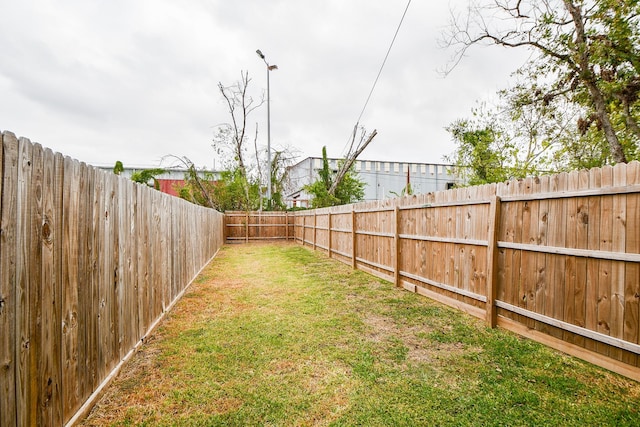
89	263
242	226
554	258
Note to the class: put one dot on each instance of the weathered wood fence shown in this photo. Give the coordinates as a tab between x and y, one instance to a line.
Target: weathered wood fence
89	263
241	226
554	258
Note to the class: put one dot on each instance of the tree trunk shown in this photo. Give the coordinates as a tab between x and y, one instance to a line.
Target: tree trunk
587	77
601	111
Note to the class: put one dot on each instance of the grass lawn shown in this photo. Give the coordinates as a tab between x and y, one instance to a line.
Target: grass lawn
278	335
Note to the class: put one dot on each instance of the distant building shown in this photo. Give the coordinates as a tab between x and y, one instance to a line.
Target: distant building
169	182
382	179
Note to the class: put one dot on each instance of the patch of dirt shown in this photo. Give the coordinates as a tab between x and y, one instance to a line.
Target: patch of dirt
420	349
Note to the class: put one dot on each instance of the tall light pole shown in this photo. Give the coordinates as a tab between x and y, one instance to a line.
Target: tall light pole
269	69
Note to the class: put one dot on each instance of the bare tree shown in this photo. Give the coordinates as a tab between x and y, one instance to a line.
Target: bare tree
192	175
355	149
232	136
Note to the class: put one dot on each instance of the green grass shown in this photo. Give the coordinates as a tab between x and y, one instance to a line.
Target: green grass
279	335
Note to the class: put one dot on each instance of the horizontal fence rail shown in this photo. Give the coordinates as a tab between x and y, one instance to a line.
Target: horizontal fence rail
555	258
89	263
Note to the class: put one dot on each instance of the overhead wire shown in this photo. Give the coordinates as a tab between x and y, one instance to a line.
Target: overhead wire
373	87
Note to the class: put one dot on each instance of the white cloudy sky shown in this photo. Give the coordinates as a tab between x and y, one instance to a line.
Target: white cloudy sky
134	80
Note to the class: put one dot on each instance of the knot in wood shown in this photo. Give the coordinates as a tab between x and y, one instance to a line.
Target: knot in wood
46	232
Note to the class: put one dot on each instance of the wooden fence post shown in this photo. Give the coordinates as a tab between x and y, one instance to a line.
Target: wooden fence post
286	226
353	239
329	233
246	227
224	227
315	222
396	246
492	260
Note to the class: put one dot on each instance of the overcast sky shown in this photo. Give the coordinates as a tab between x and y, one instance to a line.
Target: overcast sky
135	80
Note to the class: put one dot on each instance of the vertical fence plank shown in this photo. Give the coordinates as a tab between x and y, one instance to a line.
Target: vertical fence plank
8	310
632	272
56	319
570	271
120	281
354	239
518	189
70	285
582	242
606	266
4	328
329	234
105	283
24	284
132	271
556	237
593	265
528	269
166	252
49	388
35	278
85	296
143	267
95	249
543	291
618	244
396	246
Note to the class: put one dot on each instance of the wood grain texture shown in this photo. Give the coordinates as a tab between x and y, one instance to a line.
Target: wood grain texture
8	281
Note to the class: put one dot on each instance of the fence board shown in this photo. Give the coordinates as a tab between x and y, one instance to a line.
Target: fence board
618	244
605	266
530	211
631	321
70	285
4	328
24	284
570	273
85	313
542	278
8	297
35	278
582	242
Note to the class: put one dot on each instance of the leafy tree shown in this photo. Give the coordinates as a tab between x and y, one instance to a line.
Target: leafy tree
586	51
148	177
349	189
510	140
118	168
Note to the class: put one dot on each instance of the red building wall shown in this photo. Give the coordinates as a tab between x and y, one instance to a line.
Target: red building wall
169	185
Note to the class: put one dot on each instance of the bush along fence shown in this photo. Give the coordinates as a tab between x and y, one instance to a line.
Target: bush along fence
554	258
89	263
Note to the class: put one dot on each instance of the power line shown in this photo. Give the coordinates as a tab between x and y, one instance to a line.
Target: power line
381	67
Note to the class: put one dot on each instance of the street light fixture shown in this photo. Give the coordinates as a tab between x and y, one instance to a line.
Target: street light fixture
269	68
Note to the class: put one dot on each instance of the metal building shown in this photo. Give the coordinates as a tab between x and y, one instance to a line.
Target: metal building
382	179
